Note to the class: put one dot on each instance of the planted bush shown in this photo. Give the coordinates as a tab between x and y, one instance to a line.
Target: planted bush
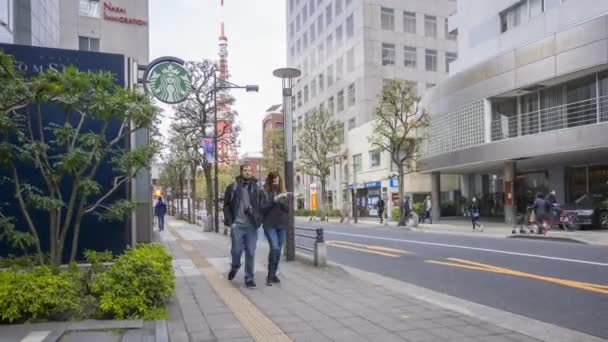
38	294
138	284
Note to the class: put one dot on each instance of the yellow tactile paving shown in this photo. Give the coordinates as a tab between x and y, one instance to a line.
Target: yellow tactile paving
253	320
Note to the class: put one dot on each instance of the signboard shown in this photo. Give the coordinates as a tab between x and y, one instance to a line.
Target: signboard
313	201
394	182
208	146
120	15
375	184
168	80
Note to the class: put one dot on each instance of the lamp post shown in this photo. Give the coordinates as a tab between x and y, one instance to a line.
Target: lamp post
287	75
216	198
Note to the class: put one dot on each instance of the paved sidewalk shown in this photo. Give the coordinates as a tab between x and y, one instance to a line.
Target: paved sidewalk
462	226
310	304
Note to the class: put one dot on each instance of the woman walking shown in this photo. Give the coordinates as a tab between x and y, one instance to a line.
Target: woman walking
275	208
160	210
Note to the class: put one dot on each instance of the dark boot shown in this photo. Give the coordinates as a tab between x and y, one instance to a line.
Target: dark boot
269	280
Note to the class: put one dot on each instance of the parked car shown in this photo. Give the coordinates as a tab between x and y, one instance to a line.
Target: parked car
591	212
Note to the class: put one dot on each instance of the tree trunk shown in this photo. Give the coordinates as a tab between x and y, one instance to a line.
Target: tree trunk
322	207
402	217
193	193
180	199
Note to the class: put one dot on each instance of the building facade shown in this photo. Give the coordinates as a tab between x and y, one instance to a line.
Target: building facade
30	22
346	49
525	109
119	26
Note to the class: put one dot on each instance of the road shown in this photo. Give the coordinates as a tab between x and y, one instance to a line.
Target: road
561	283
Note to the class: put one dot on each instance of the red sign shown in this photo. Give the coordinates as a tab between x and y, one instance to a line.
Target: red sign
109	8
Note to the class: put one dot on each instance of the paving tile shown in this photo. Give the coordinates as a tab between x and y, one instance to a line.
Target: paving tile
309	336
521	338
497	338
231	333
202	336
240	339
418	335
222	321
295	327
385	337
343	335
447	333
472	331
325	324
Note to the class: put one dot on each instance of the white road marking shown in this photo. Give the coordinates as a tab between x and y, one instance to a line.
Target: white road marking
471	248
36	336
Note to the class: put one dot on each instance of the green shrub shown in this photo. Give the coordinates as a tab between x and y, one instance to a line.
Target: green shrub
138	284
38	294
395	214
448	208
418	208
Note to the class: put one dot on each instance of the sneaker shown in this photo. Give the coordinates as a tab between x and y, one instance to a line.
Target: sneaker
269	281
232	274
250	284
275	279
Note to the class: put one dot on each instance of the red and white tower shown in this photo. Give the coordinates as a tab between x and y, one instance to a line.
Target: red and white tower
227	144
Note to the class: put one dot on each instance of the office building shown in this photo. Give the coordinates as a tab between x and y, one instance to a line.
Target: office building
525	109
346	49
30	22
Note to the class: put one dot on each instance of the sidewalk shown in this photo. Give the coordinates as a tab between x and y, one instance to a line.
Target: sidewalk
310	304
462	226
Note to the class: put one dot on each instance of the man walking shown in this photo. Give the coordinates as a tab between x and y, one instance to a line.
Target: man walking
380	205
160	210
428	206
242	212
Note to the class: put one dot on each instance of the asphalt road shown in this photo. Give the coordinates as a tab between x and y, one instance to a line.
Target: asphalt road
561	283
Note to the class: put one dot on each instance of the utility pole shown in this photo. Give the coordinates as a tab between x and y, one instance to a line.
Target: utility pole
288	75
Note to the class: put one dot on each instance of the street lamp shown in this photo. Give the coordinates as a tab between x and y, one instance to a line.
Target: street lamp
223	85
287	75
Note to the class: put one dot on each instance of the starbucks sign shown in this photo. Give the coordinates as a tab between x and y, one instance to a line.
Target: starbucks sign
168	80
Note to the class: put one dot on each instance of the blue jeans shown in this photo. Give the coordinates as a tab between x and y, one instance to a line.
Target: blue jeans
161	222
276	238
244	238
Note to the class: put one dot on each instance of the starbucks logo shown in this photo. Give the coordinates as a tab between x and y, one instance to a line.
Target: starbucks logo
169	82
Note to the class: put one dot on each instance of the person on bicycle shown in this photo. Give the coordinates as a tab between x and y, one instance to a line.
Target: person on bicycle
542	210
552	201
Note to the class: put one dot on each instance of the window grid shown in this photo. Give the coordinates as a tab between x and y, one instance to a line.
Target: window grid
431	60
339	36
387	19
457	130
409	57
388	54
409	22
330	75
328	15
340	101
430	26
449	58
351	95
374	158
350	27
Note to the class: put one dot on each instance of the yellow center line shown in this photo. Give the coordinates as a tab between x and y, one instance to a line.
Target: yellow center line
467	264
340	244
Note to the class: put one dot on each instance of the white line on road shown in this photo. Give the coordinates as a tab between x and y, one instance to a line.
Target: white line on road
471	248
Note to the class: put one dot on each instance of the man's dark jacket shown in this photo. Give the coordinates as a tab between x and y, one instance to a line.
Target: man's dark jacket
232	198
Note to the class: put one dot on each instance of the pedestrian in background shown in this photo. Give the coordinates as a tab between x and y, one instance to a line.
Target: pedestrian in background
428	206
242	202
275	209
474	210
160	210
380	205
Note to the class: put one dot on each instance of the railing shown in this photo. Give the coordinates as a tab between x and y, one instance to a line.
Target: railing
569	115
319	249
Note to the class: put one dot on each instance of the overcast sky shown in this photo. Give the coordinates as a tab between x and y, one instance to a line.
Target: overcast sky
189	29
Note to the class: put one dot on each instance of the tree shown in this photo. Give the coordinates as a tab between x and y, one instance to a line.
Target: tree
399	129
274	151
194	118
66	153
319	139
227	175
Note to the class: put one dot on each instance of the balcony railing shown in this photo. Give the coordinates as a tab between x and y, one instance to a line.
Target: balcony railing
569	115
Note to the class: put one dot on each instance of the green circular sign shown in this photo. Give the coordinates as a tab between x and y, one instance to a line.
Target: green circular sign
169	82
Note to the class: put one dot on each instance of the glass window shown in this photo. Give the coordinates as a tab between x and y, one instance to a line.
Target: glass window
320	24
329	45
328	15
357	161
430	26
340	101
293	103
603	80
536	7
409	22
388	54
306	94
89	8
352	123
312	33
409	57
387	18
374	158
299	99
311	6
430	85
449	58
313	60
348	2
330	105
291	2
582	104
305	40
292	30
339	68
88	44
321	52
350	26
298	23
322	107
504	118
339	36
430	59
321	82
330	75
529	114
338	7
513	16
552	111
293	52
305	68
351	95
313	89
350	60
304	14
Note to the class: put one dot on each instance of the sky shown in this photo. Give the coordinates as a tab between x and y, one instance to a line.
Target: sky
189	29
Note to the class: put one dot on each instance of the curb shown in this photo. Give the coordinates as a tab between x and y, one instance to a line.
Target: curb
549	238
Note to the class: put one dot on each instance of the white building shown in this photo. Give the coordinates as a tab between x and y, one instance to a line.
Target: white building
345	50
525	108
30	22
119	26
